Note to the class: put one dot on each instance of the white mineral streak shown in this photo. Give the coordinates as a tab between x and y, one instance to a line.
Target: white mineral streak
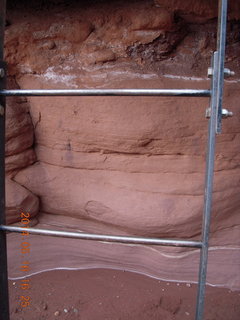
52	75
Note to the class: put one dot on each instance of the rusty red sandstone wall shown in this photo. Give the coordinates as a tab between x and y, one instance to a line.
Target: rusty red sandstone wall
120	165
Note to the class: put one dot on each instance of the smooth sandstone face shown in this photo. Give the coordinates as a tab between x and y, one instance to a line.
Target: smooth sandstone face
120	165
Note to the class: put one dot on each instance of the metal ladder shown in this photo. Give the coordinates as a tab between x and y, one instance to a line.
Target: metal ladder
215	113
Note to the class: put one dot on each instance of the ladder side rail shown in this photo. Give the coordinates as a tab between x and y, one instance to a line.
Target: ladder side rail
4	297
214	127
221	48
207	197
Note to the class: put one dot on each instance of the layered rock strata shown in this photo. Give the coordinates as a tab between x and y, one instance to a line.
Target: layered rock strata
127	165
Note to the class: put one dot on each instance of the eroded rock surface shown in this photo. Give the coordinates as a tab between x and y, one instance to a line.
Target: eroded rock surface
19	154
126	165
18	200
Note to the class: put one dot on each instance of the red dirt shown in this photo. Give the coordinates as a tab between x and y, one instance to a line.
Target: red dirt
101	294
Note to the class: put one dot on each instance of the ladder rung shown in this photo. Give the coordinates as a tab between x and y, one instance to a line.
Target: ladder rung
108	238
108	92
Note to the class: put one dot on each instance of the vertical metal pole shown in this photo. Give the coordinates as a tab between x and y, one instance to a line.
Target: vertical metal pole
208	196
214	127
4	298
221	46
2	26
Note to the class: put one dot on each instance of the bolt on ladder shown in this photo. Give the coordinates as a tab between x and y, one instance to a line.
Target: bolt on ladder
215	113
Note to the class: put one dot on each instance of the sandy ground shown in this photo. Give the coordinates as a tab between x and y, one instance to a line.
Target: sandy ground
101	294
